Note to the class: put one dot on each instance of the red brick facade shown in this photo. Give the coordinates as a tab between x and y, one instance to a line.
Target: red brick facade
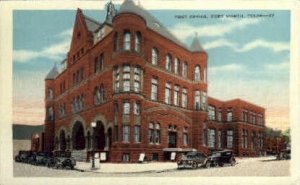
112	77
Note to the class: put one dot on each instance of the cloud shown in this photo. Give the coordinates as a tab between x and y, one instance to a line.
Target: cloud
184	31
279	66
226	68
219	43
54	52
261	43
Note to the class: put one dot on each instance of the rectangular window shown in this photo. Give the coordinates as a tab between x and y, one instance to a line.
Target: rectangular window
219	139
184	69
126	108
176	66
137	108
125	157
211	113
229	116
220	115
203	100
185	139
211	138
137	137
184	98
168	93
126	41
154	89
126	132
229	138
176	95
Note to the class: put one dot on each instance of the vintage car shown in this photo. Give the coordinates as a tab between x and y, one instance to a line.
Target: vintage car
193	160
61	159
284	154
23	156
219	158
40	158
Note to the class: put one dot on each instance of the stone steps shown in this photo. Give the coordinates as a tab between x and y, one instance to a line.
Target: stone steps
79	155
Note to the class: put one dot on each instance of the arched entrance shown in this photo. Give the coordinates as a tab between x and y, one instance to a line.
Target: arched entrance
99	136
78	136
62	140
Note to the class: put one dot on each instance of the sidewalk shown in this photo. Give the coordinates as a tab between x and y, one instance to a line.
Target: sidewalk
127	168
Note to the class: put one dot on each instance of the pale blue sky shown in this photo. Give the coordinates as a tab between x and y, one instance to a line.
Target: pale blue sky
248	57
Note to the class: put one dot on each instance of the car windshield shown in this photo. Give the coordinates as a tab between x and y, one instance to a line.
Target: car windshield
216	154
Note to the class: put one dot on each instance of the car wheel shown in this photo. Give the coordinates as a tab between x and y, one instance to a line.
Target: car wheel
221	164
232	162
207	164
194	165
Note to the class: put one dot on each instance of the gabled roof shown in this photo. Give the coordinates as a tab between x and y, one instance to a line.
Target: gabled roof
52	74
91	24
128	6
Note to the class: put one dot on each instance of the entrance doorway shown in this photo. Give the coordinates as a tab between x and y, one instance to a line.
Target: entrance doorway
172	142
99	136
78	136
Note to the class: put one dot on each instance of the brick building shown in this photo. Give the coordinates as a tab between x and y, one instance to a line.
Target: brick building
144	90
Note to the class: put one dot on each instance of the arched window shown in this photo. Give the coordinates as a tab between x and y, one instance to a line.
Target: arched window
126	40
50	113
137	42
168	62
204	75
116	42
197	73
50	94
154	58
184	98
197	100
97	95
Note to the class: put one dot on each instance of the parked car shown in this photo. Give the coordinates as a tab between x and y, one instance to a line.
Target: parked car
23	156
40	158
61	159
219	158
284	154
193	160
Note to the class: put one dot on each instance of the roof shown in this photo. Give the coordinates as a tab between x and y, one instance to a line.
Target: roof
196	46
91	23
52	74
128	6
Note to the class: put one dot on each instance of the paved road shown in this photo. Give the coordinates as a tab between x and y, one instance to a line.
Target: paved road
245	167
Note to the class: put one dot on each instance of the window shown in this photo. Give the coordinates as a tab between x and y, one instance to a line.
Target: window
229	115
117	79
137	108
137	135
168	93
116	42
260	140
62	110
204	75
168	62
203	100
154	58
96	96
220	115
137	79
184	70
137	42
154	89
126	41
176	66
126	132
197	100
260	119
125	157
184	98
50	114
219	139
244	138
197	73
211	138
211	112
102	93
185	136
245	115
176	95
229	138
99	60
50	94
126	78
252	140
126	108
154	133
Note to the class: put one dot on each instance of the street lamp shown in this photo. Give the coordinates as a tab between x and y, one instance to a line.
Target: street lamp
93	124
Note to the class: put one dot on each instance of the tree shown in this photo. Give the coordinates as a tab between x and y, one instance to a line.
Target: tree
287	136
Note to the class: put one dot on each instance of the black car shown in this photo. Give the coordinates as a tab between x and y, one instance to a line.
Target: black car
284	154
219	158
23	156
61	159
193	160
40	158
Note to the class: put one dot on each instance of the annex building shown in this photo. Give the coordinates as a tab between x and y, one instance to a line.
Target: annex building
129	87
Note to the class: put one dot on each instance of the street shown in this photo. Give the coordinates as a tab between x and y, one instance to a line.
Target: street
262	166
